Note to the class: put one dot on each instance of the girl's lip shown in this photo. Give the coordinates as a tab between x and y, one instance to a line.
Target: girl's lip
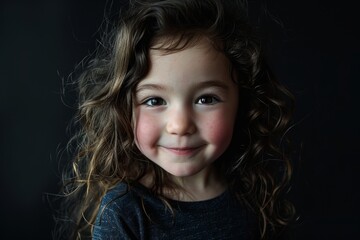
183	151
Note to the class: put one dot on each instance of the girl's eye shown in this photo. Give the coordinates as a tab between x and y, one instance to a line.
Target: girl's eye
207	100
155	101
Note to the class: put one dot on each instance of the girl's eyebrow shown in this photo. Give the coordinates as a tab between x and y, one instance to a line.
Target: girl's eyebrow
213	83
204	84
150	86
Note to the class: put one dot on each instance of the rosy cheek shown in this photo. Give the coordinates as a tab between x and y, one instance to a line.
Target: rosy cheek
219	130
146	130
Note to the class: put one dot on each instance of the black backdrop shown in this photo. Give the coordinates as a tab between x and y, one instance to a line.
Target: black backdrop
314	50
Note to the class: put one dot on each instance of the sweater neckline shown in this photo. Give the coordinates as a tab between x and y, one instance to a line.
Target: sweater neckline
208	203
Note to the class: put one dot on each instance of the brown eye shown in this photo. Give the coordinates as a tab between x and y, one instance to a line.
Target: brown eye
207	100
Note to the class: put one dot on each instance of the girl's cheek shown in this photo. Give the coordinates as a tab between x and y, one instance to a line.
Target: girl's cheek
146	129
219	129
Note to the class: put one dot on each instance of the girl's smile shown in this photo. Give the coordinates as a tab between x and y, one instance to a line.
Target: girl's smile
185	151
185	109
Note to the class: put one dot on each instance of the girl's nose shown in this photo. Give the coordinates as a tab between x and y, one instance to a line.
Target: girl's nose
180	122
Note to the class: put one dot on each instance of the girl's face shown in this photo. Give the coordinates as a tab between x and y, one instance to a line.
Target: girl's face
185	109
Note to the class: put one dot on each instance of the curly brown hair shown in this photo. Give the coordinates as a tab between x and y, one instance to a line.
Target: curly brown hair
256	164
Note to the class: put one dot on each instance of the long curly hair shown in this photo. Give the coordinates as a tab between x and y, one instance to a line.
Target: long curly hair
256	165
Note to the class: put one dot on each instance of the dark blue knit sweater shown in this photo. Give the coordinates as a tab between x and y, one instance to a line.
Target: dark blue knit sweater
134	213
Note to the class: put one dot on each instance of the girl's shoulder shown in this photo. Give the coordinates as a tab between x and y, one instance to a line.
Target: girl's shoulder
123	195
120	190
121	212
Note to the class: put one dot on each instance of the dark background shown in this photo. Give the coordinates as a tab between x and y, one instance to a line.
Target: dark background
314	49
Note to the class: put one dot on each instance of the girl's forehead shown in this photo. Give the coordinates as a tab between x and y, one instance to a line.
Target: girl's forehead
198	63
202	50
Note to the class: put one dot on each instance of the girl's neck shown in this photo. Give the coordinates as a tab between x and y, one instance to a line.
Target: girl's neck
204	185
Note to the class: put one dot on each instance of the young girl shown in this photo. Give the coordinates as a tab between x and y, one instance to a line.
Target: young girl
182	129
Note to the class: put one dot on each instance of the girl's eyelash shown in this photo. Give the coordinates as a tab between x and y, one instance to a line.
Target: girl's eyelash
208	99
153	101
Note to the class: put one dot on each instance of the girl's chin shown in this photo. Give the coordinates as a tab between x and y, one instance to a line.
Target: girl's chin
186	172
